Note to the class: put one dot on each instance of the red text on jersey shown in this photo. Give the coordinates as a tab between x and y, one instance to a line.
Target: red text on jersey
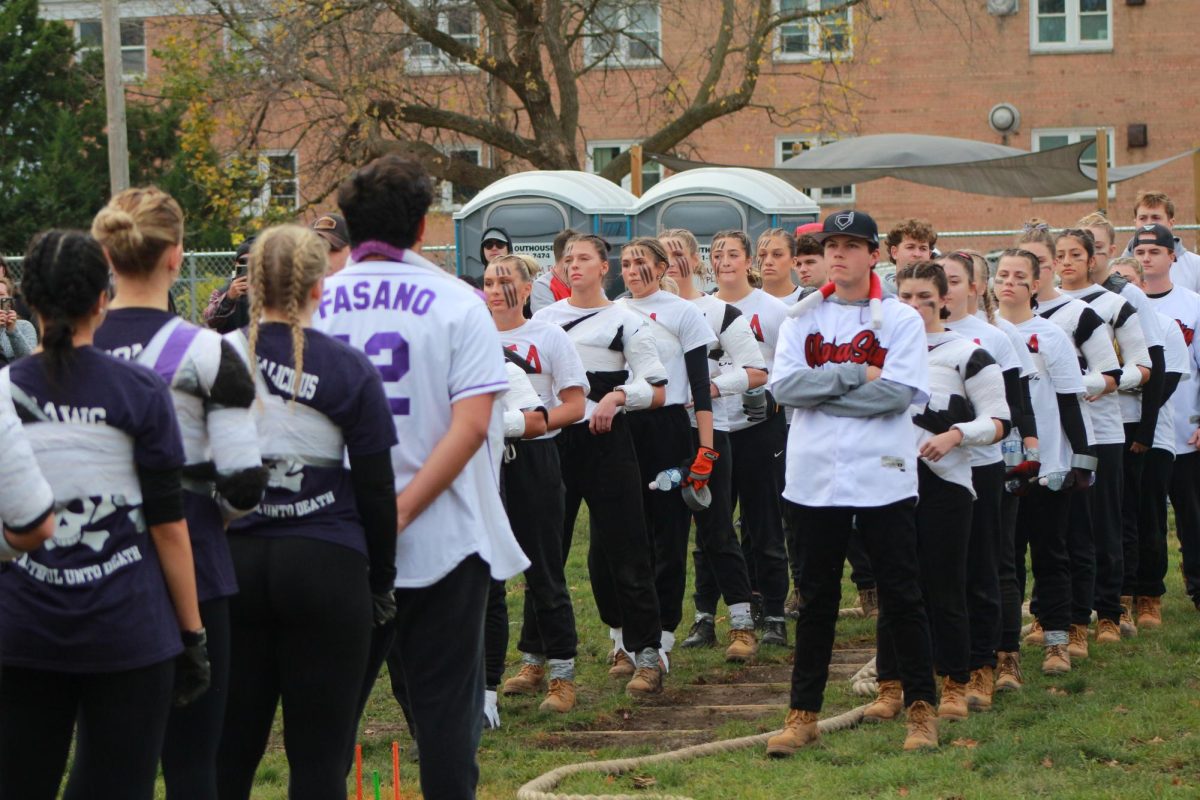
864	348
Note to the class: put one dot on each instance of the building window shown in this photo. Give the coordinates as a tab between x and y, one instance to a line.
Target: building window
601	154
133	44
280	190
454	197
458	20
823	36
1057	26
625	33
788	147
1050	138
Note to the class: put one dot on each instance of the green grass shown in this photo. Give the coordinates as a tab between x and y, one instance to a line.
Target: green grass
1123	724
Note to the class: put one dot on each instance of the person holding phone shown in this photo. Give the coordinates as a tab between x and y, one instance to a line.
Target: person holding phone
229	307
17	336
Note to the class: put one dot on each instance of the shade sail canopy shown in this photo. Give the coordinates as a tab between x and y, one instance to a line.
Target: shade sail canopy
960	164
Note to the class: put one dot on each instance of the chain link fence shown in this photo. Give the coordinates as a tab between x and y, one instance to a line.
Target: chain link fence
204	272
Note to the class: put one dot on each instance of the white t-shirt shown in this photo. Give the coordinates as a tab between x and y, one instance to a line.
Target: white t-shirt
997	344
677	327
1093	345
844	461
434	343
616	349
548	351
736	350
1057	373
25	496
1178	359
1152	331
764	314
1183	306
1017	341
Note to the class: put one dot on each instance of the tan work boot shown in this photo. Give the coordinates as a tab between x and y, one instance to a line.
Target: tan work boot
1008	671
1107	632
1149	612
793	604
1034	637
1057	660
922	727
800	729
1128	626
528	680
979	690
954	700
868	600
887	705
622	665
645	682
561	696
1077	641
743	646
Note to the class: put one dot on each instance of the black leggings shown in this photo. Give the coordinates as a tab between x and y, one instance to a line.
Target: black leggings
717	545
984	554
1150	560
121	718
189	756
300	631
1042	520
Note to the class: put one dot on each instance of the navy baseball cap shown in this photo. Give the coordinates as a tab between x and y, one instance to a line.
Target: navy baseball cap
849	223
1155	234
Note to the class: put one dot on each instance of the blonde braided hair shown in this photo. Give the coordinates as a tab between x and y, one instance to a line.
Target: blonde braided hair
286	261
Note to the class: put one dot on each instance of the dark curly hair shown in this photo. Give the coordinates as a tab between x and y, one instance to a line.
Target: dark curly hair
385	201
63	274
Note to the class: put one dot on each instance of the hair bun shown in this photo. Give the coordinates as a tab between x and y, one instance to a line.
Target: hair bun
115	228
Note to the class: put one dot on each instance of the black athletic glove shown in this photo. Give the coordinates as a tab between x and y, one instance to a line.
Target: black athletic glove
383	605
193	673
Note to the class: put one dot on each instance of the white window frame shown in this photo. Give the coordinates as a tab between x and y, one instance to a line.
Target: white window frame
1074	135
623	144
815	52
260	205
814	141
127	77
620	56
1073	43
438	62
258	28
447	203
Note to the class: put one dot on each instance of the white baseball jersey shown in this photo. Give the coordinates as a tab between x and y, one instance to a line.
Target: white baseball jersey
859	462
765	314
1093	346
677	327
1057	373
736	351
617	351
1124	329
997	344
434	343
1183	306
548	351
1178	360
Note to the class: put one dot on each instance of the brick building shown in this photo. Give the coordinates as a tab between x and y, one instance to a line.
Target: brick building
1067	66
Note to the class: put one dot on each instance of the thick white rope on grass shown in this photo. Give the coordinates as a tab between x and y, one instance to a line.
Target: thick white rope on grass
864	682
540	788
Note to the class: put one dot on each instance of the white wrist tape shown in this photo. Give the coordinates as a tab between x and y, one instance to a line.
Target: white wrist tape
1093	384
1131	378
514	424
978	431
736	381
638	395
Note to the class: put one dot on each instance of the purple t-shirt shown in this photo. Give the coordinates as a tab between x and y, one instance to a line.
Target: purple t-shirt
309	493
125	332
93	598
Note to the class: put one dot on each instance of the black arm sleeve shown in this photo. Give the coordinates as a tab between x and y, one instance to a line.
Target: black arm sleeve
232	387
1027	424
375	495
1170	384
696	361
1072	421
1152	397
1012	396
162	494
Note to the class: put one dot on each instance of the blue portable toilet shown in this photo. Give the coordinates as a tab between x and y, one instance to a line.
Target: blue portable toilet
711	199
533	207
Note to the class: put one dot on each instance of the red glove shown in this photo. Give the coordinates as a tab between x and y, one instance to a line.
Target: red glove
1024	471
702	467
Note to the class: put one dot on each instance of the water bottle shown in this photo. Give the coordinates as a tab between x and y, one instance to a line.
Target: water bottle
667	480
1012	451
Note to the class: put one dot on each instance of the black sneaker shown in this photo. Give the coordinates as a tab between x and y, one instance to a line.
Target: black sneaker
774	632
702	634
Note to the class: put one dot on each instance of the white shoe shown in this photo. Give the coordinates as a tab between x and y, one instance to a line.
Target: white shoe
491	711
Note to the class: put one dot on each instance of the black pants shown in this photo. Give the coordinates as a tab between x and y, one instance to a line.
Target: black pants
1131	509
720	563
300	632
121	719
983	565
662	438
758	494
1150	560
436	670
533	485
861	574
603	470
495	634
1106	496
189	756
1185	499
943	530
1042	521
890	534
1012	585
1081	552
